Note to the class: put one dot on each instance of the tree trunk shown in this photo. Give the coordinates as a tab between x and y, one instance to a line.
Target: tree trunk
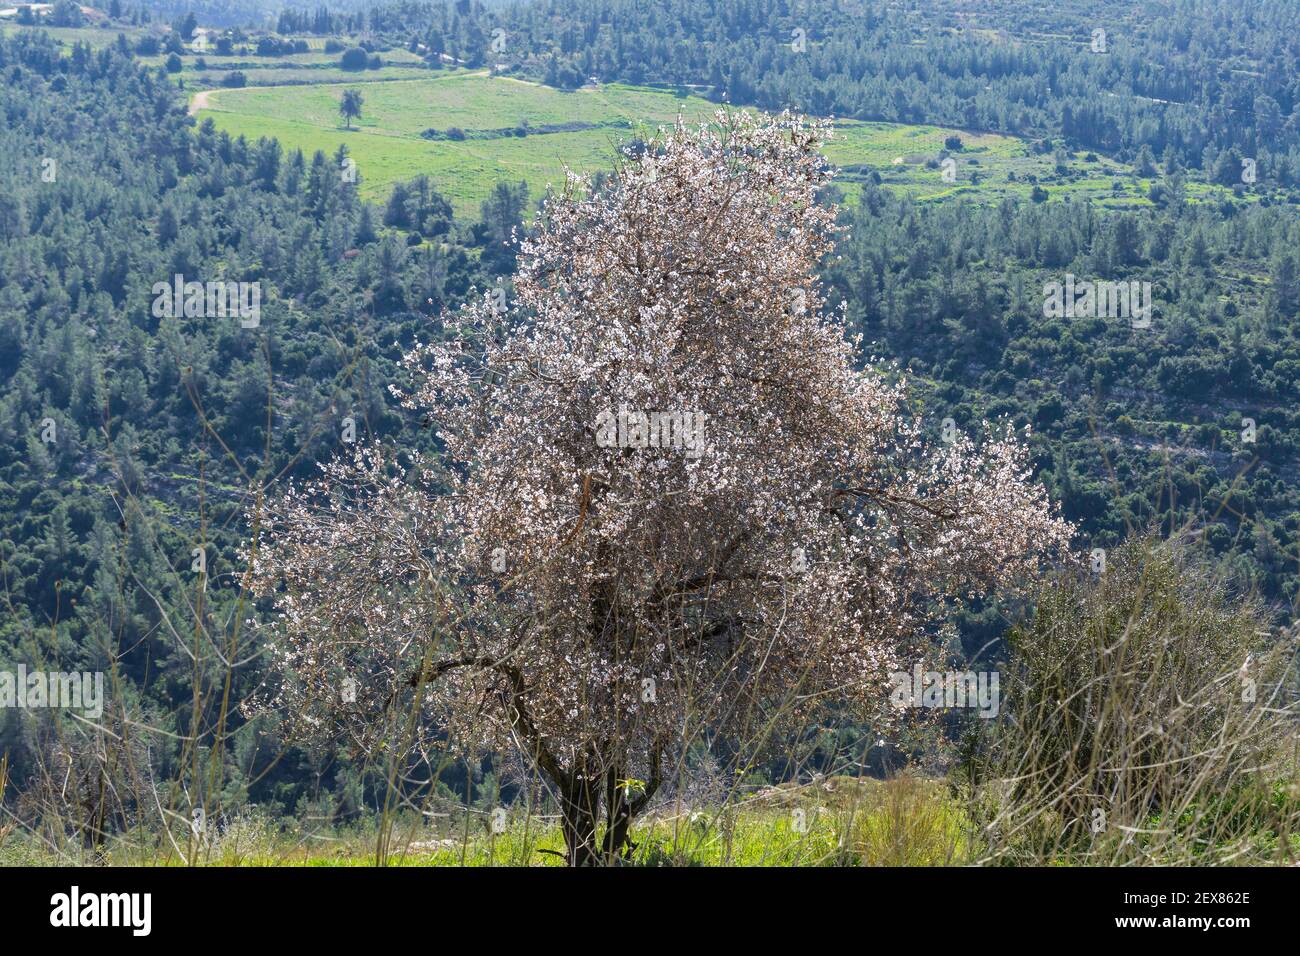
618	820
579	803
580	810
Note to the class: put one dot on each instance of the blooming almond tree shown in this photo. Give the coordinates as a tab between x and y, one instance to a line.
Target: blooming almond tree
669	503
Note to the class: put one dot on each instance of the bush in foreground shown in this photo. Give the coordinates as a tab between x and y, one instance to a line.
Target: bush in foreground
1149	717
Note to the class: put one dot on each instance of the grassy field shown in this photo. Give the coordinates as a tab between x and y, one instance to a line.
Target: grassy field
840	821
315	66
906	820
97	37
265	72
583	129
295	99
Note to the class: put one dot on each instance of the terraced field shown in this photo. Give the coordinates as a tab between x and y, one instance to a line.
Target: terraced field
295	99
315	66
516	130
97	37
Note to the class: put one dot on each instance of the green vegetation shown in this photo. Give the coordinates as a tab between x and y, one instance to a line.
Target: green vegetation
837	821
95	37
125	469
1191	78
522	131
1150	717
1123	166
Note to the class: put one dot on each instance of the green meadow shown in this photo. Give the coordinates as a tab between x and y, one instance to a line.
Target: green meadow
905	821
294	98
583	130
97	37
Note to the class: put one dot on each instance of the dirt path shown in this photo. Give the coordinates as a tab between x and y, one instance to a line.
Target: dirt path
200	101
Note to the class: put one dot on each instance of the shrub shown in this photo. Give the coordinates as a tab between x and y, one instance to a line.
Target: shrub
908	821
353	59
1132	701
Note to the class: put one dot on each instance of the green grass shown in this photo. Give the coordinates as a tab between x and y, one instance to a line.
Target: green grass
839	821
270	74
904	155
295	99
905	821
387	145
97	37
